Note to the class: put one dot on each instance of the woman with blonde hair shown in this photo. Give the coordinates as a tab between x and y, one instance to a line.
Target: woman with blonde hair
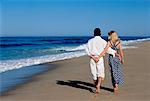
115	63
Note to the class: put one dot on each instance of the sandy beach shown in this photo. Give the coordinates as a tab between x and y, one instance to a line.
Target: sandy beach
71	81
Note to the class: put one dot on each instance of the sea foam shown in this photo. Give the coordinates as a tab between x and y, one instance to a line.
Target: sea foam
6	65
71	52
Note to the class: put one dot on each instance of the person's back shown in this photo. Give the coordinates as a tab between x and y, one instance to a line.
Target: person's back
96	45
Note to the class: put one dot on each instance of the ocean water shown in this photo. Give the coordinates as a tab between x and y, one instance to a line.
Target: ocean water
18	52
10	79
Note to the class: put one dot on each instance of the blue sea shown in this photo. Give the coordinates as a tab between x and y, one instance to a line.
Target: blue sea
18	52
22	57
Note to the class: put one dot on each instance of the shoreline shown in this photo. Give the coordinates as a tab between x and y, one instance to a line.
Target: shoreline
69	52
12	79
71	80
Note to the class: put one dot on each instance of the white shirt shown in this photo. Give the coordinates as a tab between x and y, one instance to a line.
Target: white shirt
96	45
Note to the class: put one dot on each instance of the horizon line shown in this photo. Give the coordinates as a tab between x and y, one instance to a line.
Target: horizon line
81	36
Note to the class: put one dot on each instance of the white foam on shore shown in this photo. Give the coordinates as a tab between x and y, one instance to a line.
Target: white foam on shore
126	47
134	41
6	65
72	52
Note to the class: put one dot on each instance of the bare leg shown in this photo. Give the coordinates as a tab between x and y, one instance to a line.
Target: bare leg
116	88
95	82
98	84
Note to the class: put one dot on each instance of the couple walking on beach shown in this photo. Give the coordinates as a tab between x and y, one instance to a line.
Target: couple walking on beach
96	49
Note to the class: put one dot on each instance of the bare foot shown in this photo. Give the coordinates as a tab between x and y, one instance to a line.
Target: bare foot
97	89
116	90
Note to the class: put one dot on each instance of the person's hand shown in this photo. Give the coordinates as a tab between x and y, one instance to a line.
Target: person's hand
122	61
116	54
95	58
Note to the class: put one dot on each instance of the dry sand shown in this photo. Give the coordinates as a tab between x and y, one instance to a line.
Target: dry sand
71	81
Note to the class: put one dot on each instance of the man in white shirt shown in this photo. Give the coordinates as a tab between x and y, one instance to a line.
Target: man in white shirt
94	47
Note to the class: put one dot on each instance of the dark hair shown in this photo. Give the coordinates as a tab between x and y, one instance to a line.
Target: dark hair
97	32
110	33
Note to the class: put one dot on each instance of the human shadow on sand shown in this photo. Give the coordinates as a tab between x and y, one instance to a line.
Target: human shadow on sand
81	85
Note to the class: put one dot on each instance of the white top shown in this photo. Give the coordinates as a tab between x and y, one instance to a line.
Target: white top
96	45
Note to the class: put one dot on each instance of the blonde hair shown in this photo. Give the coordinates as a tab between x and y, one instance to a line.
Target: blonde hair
113	36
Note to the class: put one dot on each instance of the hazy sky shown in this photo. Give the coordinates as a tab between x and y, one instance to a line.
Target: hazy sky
73	17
